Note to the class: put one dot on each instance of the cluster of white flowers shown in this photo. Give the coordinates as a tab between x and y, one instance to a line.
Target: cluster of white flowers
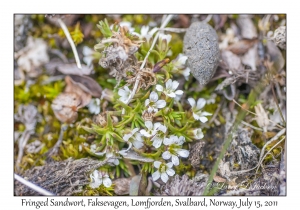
157	132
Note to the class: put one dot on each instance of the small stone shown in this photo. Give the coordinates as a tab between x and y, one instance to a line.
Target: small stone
202	48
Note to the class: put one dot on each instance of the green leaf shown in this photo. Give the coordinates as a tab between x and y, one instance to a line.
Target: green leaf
105	29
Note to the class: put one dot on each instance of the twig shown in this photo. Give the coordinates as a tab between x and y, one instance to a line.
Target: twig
175	30
32	186
216	112
163	25
136	84
60	55
69	38
276	102
22	143
255	113
280	133
268	153
251	126
208	18
54	149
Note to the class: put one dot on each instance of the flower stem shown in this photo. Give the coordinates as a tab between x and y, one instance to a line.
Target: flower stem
69	38
276	101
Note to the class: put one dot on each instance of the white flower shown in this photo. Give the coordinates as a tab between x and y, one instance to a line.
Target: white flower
174	140
134	138
145	33
174	149
171	86
152	130
197	113
186	73
93	149
212	99
163	172
179	66
198	134
112	159
166	37
179	62
153	103
88	55
94	106
127	25
98	178
159	136
124	93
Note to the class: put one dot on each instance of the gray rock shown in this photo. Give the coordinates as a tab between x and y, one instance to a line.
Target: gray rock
202	48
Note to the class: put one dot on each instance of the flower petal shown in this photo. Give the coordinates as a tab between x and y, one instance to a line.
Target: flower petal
107	182
183	153
168	141
95	175
134	130
169	165
145	133
156	126
156	164
126	137
157	142
192	102
182	59
155	175
166	155
178	92
153	96
95	184
138	137
144	30
196	116
147	102
175	85
126	89
137	144
161	104
170	172
203	119
116	161
123	152
201	103
172	94
206	114
180	140
122	92
175	160
164	177
149	125
163	128
169	84
159	88
168	37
